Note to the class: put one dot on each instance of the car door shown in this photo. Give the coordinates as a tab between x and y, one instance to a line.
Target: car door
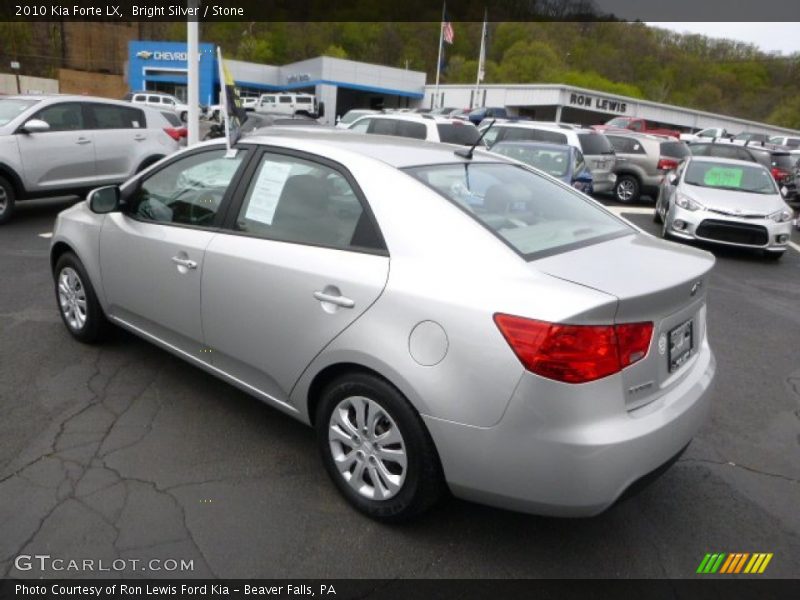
63	157
300	260
152	252
120	139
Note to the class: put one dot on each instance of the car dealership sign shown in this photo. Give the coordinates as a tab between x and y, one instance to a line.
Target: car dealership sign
159	55
598	103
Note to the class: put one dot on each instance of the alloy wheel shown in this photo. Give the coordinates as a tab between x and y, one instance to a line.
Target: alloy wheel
625	190
367	448
72	298
3	200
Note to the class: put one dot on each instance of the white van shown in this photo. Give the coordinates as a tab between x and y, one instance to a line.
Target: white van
288	103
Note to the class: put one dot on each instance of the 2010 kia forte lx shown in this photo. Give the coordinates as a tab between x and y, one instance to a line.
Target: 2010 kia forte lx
444	320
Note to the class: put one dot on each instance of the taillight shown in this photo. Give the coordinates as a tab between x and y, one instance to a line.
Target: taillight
176	133
667	164
574	353
779	174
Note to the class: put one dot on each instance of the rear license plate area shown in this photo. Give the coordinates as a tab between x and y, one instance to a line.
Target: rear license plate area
681	344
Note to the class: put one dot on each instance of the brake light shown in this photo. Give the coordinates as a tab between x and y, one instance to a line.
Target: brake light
574	353
667	164
779	174
176	133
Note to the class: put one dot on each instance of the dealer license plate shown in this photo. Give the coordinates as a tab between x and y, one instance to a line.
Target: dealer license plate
680	345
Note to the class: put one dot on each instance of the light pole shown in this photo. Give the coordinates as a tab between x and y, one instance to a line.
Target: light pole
193	74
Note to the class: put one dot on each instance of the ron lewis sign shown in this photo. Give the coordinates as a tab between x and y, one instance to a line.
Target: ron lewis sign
598	103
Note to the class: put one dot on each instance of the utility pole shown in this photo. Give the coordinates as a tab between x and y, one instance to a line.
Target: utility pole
193	75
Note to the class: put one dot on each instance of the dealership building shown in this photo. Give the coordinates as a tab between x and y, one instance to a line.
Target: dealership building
340	84
345	84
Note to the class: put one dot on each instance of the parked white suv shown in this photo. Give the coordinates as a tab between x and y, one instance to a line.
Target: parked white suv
63	145
288	104
160	101
596	149
431	128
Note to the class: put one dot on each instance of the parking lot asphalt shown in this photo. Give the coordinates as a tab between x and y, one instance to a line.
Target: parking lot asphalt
122	450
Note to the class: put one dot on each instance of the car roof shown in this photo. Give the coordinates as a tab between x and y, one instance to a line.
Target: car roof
545	145
395	151
719	159
71	98
549	126
420	118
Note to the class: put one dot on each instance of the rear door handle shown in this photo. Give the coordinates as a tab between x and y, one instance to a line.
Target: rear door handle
342	301
184	262
140	137
83	140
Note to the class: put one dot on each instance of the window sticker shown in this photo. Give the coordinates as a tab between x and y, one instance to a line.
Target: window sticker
267	190
723	177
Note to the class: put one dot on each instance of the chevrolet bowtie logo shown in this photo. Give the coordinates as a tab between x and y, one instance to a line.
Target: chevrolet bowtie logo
145	54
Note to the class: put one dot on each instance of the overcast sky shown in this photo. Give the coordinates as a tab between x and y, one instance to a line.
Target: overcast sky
780	37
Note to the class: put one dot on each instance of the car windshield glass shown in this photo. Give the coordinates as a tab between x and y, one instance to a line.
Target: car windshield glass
351	116
531	213
729	176
675	149
554	162
595	143
11	107
458	133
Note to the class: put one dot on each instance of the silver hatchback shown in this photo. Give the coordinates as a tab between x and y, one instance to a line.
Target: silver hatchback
443	321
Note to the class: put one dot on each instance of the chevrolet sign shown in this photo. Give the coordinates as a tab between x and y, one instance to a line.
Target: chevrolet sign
145	54
158	55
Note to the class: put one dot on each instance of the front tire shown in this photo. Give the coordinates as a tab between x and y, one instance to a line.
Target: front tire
7	200
627	189
376	448
77	302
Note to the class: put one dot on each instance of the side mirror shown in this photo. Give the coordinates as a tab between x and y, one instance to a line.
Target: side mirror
104	200
321	110
672	178
35	126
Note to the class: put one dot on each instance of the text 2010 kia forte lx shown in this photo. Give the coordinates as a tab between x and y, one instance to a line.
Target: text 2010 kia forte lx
443	321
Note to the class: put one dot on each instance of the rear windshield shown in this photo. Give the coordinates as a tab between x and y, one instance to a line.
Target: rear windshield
675	149
172	118
531	213
553	161
595	143
730	176
784	161
458	133
10	108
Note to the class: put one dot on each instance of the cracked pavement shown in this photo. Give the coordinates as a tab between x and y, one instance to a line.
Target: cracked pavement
123	451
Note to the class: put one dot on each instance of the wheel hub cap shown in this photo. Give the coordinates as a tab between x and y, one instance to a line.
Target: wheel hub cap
72	298
367	448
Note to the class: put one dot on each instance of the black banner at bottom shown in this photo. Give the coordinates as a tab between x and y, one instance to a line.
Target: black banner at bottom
390	589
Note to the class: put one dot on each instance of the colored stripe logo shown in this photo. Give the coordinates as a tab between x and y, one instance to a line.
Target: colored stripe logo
733	563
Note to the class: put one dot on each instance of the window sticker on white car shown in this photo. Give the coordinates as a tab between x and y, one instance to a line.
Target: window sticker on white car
267	190
723	177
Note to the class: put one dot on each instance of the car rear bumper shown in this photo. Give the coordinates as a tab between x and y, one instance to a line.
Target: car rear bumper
561	453
727	230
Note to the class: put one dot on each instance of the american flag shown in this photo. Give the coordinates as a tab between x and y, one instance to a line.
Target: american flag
447	32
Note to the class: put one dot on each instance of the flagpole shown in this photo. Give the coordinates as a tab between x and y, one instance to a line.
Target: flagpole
223	96
481	57
439	59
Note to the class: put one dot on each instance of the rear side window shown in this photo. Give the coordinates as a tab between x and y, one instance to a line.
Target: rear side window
511	134
625	145
793	142
154	99
595	143
303	100
382	126
285	99
172	118
107	116
140	98
458	133
410	129
532	214
674	149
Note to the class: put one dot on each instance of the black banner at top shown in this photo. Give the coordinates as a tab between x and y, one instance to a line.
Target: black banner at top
405	10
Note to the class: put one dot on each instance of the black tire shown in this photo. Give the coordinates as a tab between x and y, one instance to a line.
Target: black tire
184	116
96	326
424	483
8	199
773	256
627	189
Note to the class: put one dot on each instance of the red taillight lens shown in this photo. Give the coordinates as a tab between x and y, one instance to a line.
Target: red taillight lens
574	353
667	164
779	174
176	133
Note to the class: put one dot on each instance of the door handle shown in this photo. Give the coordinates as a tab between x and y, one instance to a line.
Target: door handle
83	140
140	137
342	301
184	262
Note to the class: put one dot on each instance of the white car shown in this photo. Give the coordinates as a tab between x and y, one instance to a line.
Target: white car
286	103
351	115
162	102
421	127
705	134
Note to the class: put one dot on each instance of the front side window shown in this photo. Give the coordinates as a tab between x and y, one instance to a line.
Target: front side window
295	200
530	213
730	176
188	191
63	117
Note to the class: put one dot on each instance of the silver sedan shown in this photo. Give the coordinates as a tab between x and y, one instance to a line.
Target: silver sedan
443	320
725	201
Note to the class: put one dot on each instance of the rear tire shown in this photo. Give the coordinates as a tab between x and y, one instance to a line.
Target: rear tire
7	200
627	189
77	302
367	430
